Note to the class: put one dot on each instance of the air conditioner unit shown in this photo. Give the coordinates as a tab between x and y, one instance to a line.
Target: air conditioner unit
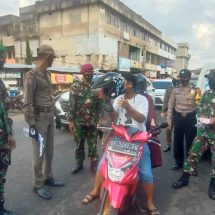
126	35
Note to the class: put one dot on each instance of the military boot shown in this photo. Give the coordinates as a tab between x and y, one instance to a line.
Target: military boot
211	191
78	168
182	182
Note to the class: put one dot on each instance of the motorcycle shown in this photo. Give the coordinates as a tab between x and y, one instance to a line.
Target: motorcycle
120	167
16	102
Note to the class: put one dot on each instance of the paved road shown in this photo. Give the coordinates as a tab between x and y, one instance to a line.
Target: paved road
66	200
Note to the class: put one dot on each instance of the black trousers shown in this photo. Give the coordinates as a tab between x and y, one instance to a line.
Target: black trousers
184	127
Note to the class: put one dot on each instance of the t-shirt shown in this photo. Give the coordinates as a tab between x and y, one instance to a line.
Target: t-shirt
139	103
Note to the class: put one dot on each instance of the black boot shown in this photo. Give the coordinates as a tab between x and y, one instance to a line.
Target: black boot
211	191
3	211
78	168
182	182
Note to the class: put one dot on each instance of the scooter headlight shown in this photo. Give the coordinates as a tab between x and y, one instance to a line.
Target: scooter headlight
115	175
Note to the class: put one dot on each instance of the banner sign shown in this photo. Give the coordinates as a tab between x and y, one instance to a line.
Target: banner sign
61	78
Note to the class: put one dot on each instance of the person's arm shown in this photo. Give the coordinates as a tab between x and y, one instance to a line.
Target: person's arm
72	106
29	89
135	113
171	106
166	100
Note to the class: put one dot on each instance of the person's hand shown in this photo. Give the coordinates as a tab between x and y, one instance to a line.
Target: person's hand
169	125
123	103
212	120
33	133
11	142
72	127
162	115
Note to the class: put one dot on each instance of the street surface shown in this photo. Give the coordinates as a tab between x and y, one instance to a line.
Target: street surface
192	200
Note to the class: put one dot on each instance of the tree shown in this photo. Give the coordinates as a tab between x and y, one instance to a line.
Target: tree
28	59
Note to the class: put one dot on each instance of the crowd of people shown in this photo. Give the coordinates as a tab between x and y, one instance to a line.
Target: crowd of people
181	107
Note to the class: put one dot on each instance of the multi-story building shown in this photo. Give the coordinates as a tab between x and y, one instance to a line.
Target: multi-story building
182	57
104	32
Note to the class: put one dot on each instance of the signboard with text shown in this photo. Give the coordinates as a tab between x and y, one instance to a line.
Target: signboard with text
61	78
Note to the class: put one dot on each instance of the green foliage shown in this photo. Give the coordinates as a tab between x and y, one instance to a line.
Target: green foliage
28	59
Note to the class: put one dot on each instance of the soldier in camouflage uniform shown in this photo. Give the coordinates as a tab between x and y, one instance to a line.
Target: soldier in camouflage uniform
7	142
205	137
83	116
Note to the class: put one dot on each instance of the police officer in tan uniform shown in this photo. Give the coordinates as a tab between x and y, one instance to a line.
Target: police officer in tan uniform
39	114
183	101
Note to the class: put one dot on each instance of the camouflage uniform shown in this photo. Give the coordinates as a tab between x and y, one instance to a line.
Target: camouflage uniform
5	152
205	136
84	111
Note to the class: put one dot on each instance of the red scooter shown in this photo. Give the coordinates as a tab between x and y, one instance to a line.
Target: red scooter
120	167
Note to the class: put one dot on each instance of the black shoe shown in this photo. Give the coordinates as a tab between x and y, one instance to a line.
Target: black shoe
77	169
211	191
43	193
179	184
166	148
195	173
182	182
54	182
176	167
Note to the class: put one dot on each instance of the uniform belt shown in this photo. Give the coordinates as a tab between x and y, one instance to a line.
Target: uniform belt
185	114
43	109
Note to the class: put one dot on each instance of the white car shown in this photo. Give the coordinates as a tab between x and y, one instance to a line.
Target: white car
160	87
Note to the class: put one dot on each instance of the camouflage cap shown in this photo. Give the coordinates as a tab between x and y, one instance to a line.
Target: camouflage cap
46	50
211	74
185	73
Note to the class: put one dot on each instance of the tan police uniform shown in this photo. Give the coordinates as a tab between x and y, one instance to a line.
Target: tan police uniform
183	101
38	110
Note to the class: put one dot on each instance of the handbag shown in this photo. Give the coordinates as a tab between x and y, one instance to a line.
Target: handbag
155	151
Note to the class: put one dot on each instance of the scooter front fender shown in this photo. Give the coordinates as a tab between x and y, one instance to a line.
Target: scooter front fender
116	194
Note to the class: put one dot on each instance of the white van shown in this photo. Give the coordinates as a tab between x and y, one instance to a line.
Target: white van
202	82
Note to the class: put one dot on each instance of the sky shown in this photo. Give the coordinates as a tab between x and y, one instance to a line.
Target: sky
191	21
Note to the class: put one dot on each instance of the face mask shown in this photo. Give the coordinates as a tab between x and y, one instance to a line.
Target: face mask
1	64
89	77
184	82
211	83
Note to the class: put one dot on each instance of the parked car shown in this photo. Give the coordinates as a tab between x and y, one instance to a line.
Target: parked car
160	87
61	103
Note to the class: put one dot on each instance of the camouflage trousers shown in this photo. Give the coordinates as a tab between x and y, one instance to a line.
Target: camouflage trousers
199	146
88	133
5	160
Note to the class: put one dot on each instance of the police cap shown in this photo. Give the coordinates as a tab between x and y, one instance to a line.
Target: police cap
46	50
211	74
185	73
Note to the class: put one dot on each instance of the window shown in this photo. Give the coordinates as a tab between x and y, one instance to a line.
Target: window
161	84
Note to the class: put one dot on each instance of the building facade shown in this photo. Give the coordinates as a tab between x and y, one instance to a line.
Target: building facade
182	57
105	33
